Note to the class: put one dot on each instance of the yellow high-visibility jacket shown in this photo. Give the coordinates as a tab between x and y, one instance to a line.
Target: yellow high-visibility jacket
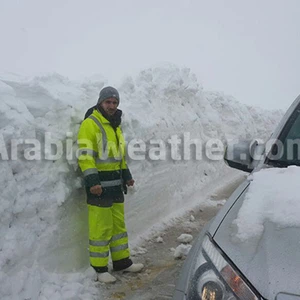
101	155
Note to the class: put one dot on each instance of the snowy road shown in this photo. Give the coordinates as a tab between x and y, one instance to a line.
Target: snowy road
157	281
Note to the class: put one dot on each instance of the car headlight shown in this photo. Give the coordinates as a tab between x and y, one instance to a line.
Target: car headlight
215	278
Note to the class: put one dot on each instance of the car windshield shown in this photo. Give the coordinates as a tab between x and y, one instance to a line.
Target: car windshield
286	151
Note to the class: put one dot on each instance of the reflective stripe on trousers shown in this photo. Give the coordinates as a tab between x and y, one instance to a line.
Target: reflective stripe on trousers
107	232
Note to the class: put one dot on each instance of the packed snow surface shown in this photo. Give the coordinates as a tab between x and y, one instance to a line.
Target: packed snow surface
43	215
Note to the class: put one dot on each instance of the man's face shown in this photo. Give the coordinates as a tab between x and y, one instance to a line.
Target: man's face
110	106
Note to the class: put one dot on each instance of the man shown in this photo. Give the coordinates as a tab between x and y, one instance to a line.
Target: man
102	161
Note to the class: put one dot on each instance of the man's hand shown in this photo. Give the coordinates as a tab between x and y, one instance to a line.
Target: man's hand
130	182
96	190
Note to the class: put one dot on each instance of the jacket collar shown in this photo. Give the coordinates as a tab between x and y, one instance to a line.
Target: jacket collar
114	120
97	113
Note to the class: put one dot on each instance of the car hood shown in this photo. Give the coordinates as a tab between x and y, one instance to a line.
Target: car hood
271	262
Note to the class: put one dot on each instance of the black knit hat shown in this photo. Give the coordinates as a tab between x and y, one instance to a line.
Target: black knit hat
108	92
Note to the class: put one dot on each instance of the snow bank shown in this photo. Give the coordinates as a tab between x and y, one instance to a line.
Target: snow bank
272	196
43	216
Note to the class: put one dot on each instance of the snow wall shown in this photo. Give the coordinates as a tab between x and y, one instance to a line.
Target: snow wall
43	215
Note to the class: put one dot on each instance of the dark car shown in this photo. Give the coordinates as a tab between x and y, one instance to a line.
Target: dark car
216	267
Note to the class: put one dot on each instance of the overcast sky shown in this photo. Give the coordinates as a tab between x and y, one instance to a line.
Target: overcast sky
248	49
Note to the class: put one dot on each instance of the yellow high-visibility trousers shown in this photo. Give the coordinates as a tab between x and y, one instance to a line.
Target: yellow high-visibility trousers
107	233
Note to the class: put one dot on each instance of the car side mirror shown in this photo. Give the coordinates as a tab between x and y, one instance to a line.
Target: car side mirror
243	155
